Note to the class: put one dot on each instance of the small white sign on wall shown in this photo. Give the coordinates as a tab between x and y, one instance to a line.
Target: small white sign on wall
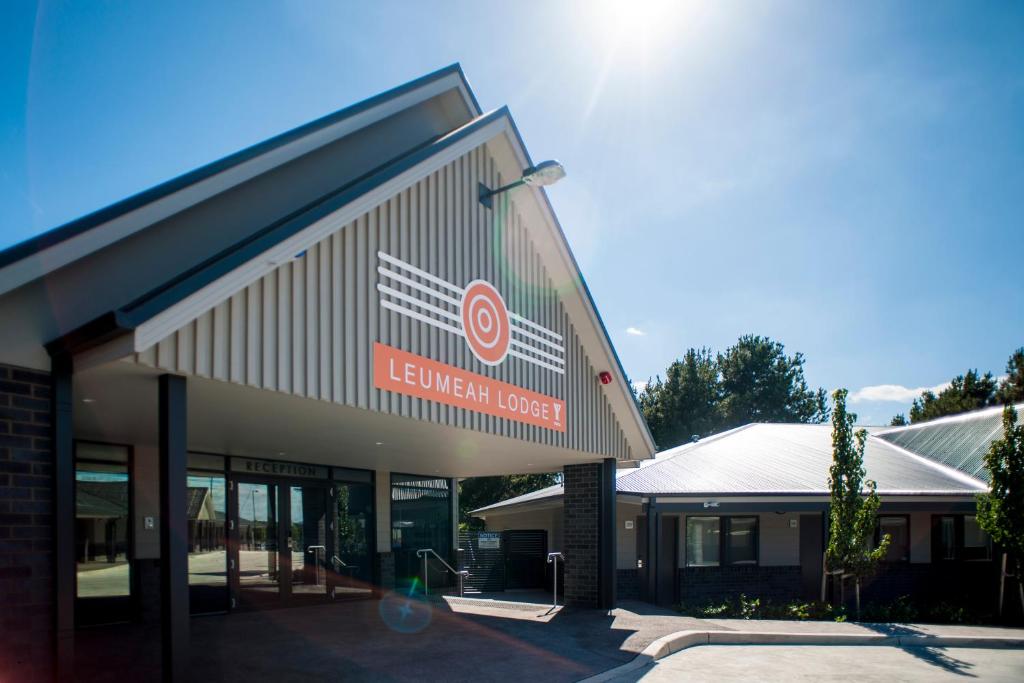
629	524
792	523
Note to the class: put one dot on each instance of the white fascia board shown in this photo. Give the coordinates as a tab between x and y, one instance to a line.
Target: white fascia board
156	328
74	248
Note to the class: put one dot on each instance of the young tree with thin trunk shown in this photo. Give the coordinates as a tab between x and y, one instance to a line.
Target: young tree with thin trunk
1001	510
853	514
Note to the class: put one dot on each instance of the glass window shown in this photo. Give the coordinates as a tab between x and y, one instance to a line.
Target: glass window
421	517
353	538
947	538
206	508
703	541
977	544
742	540
102	521
898	529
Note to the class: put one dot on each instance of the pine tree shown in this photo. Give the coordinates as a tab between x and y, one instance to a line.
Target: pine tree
898	420
1011	389
853	515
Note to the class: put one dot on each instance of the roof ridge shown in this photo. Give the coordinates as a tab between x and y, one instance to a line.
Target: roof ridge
941	467
966	416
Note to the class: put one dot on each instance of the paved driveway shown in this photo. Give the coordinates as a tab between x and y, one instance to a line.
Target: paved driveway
865	664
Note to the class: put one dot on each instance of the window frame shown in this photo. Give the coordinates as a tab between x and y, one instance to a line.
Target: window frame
724	530
878	536
959	540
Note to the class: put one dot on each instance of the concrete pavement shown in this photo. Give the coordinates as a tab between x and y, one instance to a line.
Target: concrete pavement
866	664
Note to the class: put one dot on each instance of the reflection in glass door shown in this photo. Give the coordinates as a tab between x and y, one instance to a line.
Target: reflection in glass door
307	541
352	561
258	567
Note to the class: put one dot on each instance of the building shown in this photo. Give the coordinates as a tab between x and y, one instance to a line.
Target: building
746	511
256	385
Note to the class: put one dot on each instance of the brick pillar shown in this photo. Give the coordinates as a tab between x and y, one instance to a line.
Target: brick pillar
585	547
26	526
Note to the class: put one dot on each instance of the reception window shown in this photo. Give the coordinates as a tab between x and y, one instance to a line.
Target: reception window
206	508
103	551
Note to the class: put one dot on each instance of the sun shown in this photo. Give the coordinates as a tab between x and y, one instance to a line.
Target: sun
638	26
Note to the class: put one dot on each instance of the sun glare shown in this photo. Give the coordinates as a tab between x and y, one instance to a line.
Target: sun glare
638	26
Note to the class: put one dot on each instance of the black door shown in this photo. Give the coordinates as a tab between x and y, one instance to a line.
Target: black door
642	562
811	537
526	558
668	554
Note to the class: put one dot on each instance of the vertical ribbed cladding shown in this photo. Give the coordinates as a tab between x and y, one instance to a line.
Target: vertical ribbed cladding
307	328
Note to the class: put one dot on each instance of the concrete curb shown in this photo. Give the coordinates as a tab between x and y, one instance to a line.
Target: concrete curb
681	640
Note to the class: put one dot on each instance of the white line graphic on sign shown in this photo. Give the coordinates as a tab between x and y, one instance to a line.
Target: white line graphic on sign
476	312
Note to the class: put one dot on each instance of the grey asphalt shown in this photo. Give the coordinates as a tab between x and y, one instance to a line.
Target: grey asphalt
865	664
397	639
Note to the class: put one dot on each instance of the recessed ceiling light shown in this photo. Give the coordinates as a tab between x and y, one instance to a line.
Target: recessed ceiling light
88	400
281	453
379	443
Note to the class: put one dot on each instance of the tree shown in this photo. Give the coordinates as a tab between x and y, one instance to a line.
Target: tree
1001	510
760	383
686	403
1011	389
480	491
965	392
898	420
853	515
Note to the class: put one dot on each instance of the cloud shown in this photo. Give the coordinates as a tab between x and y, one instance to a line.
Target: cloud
894	393
639	386
636	332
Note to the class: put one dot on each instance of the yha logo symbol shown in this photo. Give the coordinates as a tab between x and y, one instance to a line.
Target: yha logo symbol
476	312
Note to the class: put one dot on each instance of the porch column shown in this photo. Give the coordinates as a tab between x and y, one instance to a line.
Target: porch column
607	535
174	608
589	534
653	534
64	513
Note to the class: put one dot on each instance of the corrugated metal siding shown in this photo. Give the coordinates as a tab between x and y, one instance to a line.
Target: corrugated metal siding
308	327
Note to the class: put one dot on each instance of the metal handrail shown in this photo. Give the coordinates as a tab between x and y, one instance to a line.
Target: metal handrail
424	553
316	549
341	564
554	558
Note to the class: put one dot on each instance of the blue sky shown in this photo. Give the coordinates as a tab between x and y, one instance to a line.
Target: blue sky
844	177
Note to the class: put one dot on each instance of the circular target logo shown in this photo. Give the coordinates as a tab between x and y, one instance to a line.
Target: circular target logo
485	322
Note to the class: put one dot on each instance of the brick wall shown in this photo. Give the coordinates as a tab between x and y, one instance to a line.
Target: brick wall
627	584
26	526
581	533
700	585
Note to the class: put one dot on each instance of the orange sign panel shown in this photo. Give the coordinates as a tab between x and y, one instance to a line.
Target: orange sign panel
413	375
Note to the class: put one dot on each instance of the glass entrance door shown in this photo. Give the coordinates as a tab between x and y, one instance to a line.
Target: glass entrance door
307	541
259	567
283	549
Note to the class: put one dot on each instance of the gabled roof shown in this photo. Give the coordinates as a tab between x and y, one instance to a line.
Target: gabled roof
959	441
154	314
769	459
786	459
38	255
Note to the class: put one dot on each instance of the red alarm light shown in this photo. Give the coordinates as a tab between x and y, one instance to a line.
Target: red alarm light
605	377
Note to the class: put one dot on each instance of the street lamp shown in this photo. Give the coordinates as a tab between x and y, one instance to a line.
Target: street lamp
544	173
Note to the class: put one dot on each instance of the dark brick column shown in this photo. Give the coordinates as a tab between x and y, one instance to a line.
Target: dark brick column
588	541
26	526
